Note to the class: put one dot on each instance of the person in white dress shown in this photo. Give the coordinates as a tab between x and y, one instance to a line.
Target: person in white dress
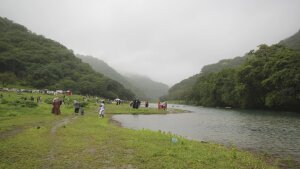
101	110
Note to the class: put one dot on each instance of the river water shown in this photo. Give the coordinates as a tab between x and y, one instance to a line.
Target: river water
276	133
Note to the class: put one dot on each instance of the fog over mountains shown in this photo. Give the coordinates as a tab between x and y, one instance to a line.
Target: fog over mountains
142	86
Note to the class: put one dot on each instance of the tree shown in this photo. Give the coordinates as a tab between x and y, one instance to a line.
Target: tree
7	78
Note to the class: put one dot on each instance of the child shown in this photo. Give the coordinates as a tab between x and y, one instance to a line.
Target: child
81	110
101	111
76	107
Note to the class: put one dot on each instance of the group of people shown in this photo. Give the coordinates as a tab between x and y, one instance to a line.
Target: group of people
135	104
162	105
78	108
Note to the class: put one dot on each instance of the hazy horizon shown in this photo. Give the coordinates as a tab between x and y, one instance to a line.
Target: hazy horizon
166	41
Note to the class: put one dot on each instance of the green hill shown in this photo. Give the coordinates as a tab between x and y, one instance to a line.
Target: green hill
292	42
152	89
141	86
269	79
224	64
102	67
183	89
32	60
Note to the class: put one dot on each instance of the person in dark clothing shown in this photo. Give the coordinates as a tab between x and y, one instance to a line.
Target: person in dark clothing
76	107
138	103
146	103
134	105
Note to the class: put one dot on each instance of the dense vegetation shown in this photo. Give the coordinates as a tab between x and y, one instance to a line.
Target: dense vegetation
292	42
141	86
35	61
183	89
152	89
266	78
102	67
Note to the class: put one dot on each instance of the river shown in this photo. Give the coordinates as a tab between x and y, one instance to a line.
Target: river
276	133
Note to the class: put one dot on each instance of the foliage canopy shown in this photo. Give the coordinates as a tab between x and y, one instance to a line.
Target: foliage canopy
43	63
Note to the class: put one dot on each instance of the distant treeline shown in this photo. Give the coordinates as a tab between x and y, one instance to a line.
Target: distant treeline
32	60
268	78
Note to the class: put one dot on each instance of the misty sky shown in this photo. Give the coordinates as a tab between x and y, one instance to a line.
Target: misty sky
166	40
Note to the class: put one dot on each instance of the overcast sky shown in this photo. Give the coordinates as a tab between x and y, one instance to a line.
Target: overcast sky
166	40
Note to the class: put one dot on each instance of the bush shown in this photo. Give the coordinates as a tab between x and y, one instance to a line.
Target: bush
48	100
24	103
84	104
3	101
30	104
12	114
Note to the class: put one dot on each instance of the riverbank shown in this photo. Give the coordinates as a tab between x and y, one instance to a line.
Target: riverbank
34	138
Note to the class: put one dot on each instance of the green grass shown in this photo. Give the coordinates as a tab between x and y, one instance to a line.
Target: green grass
34	138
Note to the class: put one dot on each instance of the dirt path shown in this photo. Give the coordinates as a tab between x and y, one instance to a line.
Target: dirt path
51	155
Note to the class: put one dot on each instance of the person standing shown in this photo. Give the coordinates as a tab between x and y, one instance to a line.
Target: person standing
56	106
38	99
165	105
146	103
76	107
138	103
101	110
81	109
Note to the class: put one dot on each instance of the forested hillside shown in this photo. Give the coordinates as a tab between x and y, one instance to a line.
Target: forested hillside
151	88
183	89
292	42
267	78
102	67
32	60
224	64
142	87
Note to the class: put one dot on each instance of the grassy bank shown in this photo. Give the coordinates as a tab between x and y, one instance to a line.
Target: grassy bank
34	138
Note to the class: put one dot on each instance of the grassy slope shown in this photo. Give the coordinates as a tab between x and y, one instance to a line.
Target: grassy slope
90	142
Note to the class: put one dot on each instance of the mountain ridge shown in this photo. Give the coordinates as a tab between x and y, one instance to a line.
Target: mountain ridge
130	81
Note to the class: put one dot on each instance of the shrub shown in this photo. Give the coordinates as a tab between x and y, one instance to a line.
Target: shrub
23	103
84	104
48	100
3	101
30	104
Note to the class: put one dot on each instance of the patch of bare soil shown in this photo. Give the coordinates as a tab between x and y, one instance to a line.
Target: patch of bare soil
115	122
19	129
12	132
51	155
